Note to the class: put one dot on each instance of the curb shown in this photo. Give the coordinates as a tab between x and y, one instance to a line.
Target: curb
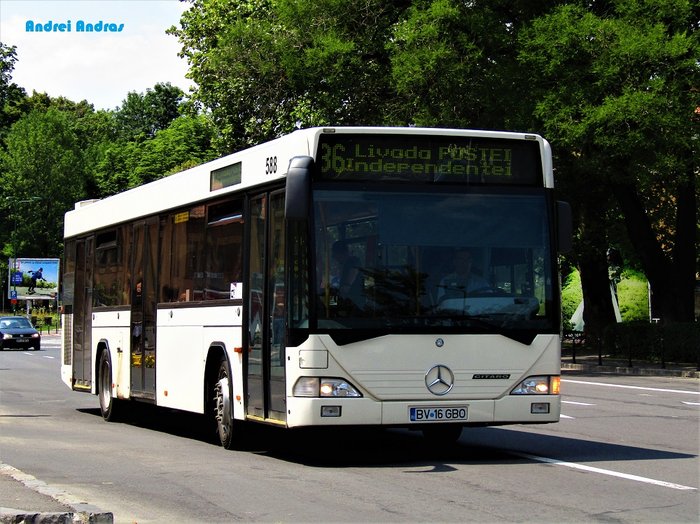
14	516
79	512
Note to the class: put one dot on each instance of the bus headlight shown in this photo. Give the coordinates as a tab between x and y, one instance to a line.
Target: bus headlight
338	387
542	385
324	387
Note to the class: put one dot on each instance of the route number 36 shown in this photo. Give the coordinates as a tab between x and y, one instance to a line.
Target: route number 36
270	165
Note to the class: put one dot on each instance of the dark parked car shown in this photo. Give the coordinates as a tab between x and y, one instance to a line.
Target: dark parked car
18	333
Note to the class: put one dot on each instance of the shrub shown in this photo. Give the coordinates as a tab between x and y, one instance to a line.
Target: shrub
633	297
571	294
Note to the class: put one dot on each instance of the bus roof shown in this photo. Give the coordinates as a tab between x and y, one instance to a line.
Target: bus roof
247	168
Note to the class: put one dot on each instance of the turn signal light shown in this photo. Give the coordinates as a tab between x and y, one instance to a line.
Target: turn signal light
556	383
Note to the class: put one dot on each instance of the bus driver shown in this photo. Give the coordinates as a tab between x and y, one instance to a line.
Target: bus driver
461	281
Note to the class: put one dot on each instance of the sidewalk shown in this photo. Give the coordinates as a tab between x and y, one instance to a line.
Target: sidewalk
19	492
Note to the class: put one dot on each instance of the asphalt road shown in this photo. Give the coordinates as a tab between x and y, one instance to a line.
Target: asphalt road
626	450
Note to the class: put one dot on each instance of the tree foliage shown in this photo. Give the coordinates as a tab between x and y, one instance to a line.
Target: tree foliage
43	171
142	115
617	92
59	152
454	63
11	95
184	143
267	67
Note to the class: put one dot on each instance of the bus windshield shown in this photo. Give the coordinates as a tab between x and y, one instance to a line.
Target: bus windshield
449	260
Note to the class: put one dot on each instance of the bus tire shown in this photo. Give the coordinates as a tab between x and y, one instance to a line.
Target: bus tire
223	408
109	405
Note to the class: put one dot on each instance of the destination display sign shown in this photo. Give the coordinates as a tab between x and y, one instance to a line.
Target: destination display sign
423	158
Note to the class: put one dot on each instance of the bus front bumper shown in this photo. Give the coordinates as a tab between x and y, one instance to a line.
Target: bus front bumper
513	409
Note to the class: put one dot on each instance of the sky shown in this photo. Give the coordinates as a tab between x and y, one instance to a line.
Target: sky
132	54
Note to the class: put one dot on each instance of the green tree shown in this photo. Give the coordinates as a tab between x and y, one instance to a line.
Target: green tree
455	63
142	115
266	67
150	136
185	143
617	88
42	171
11	95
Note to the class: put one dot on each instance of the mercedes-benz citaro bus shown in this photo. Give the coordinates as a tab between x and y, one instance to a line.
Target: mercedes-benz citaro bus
342	276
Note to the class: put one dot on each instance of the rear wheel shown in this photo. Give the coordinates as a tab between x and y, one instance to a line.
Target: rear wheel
223	413
109	405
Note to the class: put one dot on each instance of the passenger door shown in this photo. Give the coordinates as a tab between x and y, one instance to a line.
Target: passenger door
143	308
265	362
82	313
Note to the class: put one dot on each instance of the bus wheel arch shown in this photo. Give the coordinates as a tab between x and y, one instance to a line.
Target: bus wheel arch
109	404
219	395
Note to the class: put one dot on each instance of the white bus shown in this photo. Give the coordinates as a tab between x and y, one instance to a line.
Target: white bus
398	277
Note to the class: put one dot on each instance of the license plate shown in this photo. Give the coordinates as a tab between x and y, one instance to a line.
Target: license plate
437	414
22	340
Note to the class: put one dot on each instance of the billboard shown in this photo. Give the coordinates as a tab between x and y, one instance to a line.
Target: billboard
33	278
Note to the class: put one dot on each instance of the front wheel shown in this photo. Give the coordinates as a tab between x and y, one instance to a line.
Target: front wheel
223	412
109	405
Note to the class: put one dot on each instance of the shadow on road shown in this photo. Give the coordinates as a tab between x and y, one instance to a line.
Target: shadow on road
372	447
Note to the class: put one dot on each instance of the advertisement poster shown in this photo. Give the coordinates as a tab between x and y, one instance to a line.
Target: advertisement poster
94	50
33	278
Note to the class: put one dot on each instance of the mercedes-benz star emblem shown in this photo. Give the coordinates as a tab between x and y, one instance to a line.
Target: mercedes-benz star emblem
439	380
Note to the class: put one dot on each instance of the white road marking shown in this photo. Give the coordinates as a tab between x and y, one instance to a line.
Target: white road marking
661	390
690	403
566	416
608	472
576	403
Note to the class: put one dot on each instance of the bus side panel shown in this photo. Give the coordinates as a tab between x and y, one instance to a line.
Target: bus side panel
180	368
112	328
185	336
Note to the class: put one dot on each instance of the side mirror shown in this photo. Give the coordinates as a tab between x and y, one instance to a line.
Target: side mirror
298	190
565	227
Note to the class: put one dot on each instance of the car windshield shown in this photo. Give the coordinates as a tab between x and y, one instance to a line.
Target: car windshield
15	323
417	259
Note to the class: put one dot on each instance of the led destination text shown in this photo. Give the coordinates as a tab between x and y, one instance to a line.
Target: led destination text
366	159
